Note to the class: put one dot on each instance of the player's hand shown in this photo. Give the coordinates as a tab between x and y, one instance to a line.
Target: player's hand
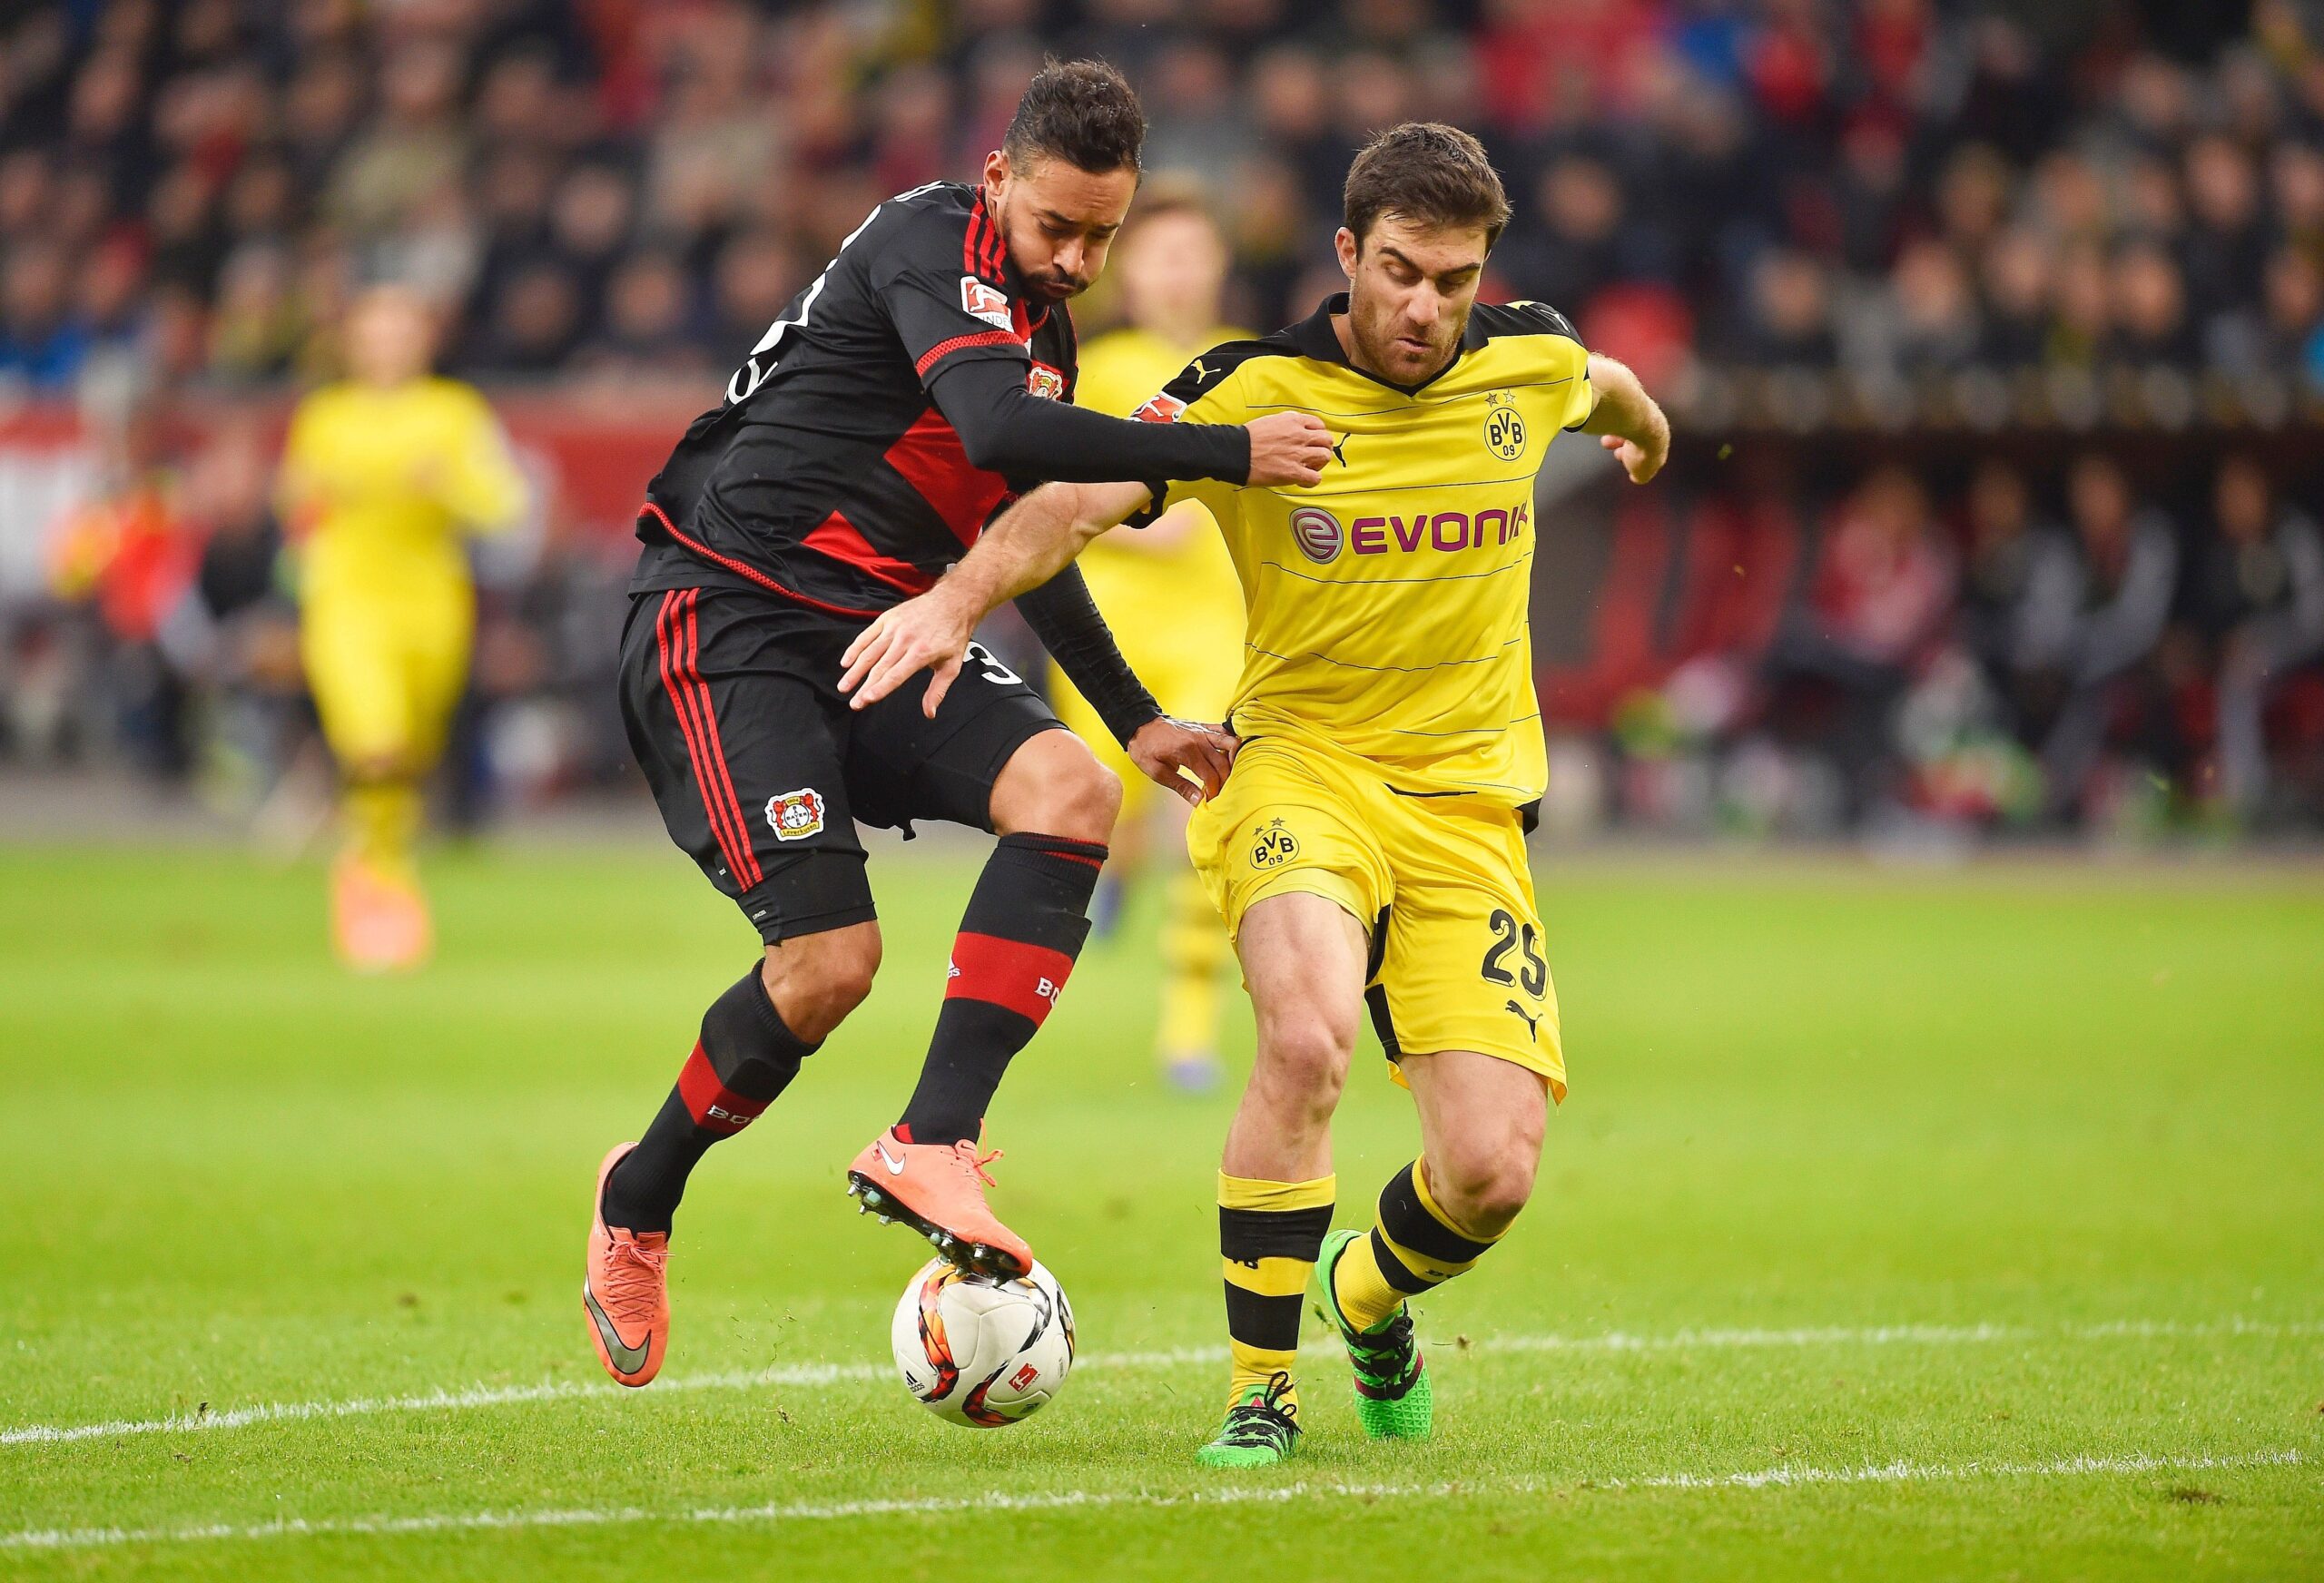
1168	750
1288	448
929	633
1641	462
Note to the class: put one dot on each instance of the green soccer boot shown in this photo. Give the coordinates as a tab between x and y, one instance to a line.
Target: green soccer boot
1260	1431
1394	1400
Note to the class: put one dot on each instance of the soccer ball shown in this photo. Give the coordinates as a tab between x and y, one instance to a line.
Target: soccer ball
980	1350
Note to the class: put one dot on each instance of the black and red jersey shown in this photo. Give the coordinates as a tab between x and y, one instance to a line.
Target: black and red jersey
828	475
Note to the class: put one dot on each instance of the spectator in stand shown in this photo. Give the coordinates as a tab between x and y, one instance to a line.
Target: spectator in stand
2015	274
532	326
2289	343
1870	614
42	344
1789	318
2102	621
2150	317
2258	597
2017	564
649	325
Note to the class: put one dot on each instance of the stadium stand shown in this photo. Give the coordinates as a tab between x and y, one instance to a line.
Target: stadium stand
1993	334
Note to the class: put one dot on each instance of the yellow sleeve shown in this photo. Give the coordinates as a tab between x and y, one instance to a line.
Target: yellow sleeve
1206	392
1571	359
482	487
1567	359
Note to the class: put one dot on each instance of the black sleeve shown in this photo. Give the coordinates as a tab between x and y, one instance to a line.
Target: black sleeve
1065	619
1008	429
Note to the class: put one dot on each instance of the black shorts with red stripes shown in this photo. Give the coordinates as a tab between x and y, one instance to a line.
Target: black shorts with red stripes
763	772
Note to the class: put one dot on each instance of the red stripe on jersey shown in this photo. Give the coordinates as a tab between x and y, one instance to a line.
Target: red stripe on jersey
750	874
1024	978
714	1106
694	546
931	457
945	348
682	701
837	537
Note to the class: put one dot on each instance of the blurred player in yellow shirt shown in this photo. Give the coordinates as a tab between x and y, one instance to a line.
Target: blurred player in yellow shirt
1170	595
384	476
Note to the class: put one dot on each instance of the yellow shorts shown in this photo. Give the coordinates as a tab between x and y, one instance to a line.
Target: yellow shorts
386	674
1441	884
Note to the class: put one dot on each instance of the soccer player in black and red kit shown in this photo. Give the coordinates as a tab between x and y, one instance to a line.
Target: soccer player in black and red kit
917	383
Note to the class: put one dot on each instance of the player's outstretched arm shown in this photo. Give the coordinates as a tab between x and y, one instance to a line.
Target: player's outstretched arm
1632	426
1023	548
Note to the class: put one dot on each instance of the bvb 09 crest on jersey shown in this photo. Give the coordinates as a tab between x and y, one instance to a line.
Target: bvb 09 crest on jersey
1504	430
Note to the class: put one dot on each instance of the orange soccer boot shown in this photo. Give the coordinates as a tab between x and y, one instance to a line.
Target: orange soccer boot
378	919
626	1291
937	1190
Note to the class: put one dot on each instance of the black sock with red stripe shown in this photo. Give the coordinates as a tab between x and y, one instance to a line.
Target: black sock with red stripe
1025	925
745	1058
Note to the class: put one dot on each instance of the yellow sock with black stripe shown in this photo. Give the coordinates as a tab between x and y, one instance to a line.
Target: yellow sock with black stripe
1412	1248
1194	946
1269	1233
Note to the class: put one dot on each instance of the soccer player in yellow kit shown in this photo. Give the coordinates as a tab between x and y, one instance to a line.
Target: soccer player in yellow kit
1368	847
1170	596
384	475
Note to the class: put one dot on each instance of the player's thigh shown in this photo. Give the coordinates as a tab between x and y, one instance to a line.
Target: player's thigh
903	766
744	756
436	647
350	650
1304	958
1461	965
1286	823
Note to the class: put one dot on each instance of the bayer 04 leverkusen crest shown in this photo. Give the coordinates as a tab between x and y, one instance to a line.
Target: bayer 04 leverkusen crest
795	815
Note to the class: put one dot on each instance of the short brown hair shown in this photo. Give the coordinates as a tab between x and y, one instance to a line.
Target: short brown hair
1429	173
1084	112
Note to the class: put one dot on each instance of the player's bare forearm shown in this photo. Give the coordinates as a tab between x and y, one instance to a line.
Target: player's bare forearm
1628	420
1026	545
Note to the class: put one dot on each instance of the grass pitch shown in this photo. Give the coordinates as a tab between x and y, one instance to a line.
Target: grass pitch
1897	1226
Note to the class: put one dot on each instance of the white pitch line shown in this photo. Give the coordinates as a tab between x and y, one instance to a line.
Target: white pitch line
1075	1499
809	1375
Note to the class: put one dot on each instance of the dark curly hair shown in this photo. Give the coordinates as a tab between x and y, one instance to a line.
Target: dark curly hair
1084	112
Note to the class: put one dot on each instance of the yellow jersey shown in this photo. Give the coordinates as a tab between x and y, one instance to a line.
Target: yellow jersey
1135	585
386	483
1386	606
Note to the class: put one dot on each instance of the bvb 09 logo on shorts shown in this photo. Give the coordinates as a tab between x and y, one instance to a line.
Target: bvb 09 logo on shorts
1318	533
1272	846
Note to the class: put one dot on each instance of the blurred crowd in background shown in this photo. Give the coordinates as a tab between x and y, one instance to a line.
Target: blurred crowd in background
1861	237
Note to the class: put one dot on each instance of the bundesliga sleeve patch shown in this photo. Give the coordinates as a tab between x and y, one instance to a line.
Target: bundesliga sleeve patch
795	815
1163	409
989	303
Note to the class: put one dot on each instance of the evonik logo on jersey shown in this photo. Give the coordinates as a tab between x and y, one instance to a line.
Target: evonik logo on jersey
989	303
1442	531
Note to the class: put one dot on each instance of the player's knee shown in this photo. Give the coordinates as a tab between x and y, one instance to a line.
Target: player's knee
1482	1182
816	980
1054	786
1304	1059
1084	802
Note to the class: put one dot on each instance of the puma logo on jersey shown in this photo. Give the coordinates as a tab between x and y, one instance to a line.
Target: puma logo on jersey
1533	1022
